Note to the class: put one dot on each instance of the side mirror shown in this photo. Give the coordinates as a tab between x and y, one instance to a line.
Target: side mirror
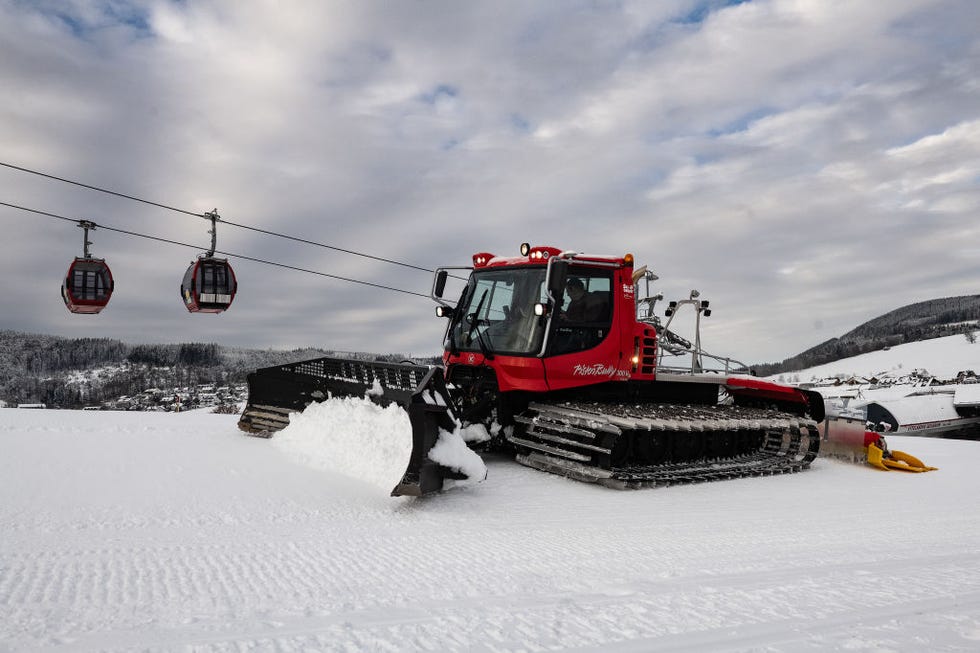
556	281
440	285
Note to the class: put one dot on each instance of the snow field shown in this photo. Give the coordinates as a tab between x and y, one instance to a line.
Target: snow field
164	532
941	357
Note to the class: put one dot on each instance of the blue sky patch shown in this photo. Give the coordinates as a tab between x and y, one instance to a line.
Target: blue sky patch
701	10
110	14
742	123
520	123
439	92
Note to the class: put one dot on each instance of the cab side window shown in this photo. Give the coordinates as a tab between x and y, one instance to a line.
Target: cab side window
585	316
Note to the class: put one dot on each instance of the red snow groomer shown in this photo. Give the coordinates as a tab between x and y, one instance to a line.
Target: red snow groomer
560	356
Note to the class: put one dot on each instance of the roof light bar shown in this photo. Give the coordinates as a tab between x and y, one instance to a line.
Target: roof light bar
481	259
542	253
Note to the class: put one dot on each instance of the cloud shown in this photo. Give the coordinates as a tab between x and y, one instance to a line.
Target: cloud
789	158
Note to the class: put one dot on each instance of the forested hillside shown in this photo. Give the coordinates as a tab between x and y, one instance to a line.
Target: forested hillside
75	372
920	321
71	373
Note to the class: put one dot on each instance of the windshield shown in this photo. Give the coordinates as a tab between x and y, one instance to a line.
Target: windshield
497	312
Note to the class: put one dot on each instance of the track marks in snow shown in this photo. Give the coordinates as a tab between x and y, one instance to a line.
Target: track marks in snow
206	540
890	624
208	594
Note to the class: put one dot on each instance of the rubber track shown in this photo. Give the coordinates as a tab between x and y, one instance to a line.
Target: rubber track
577	439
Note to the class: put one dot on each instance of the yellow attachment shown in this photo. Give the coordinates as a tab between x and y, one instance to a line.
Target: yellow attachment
895	460
875	457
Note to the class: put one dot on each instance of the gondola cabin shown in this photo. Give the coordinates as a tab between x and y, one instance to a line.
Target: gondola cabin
87	286
209	285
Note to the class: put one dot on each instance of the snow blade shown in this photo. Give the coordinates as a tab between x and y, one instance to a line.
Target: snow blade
275	392
429	413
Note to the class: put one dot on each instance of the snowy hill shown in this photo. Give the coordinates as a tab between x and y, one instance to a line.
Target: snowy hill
934	318
942	358
174	532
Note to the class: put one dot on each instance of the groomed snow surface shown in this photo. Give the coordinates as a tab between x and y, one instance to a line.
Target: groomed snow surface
175	532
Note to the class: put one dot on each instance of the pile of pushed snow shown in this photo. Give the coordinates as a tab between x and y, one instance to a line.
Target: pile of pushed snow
357	438
451	451
351	436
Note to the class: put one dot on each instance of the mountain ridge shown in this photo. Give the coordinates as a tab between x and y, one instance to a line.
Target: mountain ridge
924	320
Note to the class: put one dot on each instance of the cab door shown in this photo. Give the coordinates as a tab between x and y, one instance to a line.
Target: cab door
584	342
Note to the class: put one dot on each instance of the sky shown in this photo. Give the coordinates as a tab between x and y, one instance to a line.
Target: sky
806	164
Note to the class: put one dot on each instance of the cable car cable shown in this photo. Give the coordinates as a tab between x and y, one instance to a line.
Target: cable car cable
202	215
338	249
224	253
101	190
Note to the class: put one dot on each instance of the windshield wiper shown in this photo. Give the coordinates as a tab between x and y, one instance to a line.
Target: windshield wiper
474	322
484	348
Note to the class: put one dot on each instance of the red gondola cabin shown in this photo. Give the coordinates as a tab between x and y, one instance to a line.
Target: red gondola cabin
88	285
209	285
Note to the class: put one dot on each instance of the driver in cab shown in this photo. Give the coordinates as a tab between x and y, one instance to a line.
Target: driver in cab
583	307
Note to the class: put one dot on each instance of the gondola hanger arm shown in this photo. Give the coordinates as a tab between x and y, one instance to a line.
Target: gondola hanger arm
87	225
213	216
